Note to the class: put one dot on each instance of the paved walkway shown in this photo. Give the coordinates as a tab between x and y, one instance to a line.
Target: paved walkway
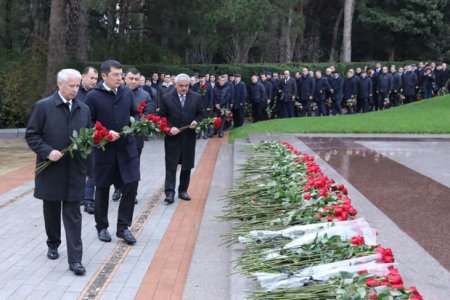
114	270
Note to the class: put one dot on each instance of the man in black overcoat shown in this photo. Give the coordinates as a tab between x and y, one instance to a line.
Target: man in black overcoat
60	185
409	84
288	91
182	107
307	92
337	86
111	103
239	101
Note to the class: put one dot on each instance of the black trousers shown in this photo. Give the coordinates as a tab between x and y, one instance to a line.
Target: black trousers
288	109
410	98
185	178
71	216
257	111
126	206
381	97
238	117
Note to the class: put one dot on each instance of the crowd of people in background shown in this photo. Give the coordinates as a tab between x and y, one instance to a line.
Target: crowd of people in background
271	95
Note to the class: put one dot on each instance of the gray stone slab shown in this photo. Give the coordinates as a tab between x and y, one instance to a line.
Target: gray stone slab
210	266
12	133
431	159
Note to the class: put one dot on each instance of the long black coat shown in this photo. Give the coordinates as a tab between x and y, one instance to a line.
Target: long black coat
385	83
409	83
321	86
308	87
114	112
364	87
337	84
350	87
180	148
49	128
288	89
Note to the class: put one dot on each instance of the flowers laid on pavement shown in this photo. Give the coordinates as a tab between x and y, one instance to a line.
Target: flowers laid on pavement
300	233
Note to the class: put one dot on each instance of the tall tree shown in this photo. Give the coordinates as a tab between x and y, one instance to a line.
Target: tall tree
57	52
83	33
349	9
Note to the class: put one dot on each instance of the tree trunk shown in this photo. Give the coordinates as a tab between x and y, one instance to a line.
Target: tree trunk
349	9
392	53
8	26
287	38
141	21
111	16
57	52
333	51
83	33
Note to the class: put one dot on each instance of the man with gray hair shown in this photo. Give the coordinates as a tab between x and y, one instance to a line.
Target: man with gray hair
182	107
61	185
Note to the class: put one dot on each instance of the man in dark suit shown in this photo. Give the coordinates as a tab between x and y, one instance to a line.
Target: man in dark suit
61	184
222	100
337	86
181	107
206	92
163	88
258	98
384	85
89	78
239	101
307	90
112	104
288	91
364	85
321	86
409	84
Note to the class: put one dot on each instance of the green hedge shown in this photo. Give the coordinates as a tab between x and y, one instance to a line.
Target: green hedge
22	81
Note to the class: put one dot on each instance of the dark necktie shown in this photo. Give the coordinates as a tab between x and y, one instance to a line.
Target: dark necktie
182	99
69	105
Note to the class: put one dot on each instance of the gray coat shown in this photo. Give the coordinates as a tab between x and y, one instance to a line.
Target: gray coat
49	128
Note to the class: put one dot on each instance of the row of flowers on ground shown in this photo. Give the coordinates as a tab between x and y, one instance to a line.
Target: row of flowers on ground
300	233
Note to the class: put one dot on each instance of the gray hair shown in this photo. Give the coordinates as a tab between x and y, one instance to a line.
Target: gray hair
182	77
64	74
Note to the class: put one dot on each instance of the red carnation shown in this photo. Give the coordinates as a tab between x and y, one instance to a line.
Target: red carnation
98	125
109	137
143	104
217	122
307	196
373	296
371	282
357	240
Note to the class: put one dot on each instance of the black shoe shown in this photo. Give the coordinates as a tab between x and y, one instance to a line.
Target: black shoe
136	201
52	254
126	236
77	268
89	208
184	196
116	195
104	236
169	198
221	134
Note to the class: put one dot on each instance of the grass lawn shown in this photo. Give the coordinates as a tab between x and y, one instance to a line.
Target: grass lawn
428	116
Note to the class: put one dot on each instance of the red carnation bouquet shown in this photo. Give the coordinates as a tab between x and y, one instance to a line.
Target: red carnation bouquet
203	89
99	136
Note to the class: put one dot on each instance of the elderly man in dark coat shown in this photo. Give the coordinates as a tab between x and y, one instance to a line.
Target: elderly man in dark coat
307	84
409	79
288	91
239	101
321	86
384	85
112	104
182	107
337	85
61	184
